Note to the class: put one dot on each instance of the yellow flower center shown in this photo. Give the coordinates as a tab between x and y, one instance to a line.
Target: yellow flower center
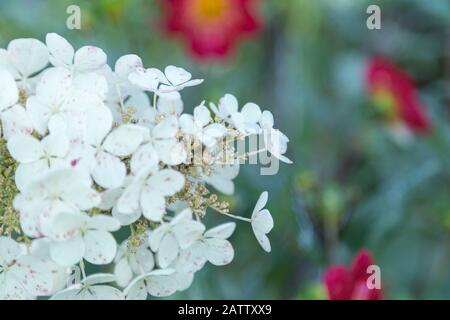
386	104
210	10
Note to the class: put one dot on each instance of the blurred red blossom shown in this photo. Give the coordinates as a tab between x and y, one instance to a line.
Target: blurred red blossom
345	283
211	27
396	96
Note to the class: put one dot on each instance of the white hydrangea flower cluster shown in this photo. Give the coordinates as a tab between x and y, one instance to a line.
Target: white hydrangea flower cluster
87	151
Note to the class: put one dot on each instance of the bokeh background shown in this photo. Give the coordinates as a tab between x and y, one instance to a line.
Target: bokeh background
351	185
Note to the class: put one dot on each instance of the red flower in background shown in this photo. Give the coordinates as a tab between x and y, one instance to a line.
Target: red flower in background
211	27
395	94
345	283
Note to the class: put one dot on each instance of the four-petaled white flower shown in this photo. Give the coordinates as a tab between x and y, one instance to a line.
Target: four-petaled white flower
130	263
148	191
23	59
262	222
275	141
21	276
104	153
61	190
200	127
245	121
91	288
62	54
158	283
215	247
169	238
165	84
37	157
159	144
77	236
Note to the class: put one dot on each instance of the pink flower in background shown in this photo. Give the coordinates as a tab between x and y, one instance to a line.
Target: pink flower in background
211	27
395	94
345	283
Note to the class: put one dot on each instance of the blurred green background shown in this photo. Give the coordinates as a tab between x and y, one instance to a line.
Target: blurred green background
350	186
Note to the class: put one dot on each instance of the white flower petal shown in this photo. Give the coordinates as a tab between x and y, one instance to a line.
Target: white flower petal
103	293
39	114
61	51
145	157
202	115
177	75
56	145
183	280
263	240
169	107
187	124
68	252
125	218
65	222
160	285
167	251
109	172
9	250
100	247
25	148
191	260
12	289
103	222
266	120
143	113
156	236
238	121
167	182
127	64
251	112
262	201
136	290
171	152
153	204
167	128
228	104
5	63
92	83
124	140
72	293
29	172
223	231
34	275
28	55
128	202
109	198
143	260
123	273
97	118
9	95
98	278
146	79
89	58
54	86
187	232
218	251
16	120
262	221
